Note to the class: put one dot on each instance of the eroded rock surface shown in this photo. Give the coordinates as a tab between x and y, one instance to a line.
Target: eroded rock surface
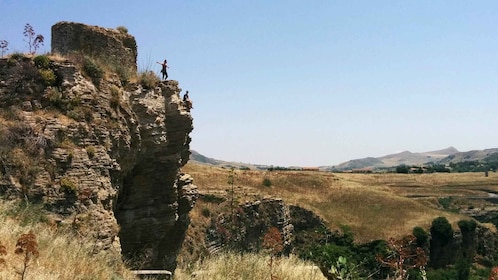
102	159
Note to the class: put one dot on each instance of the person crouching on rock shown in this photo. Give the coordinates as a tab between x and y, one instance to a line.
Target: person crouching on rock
187	101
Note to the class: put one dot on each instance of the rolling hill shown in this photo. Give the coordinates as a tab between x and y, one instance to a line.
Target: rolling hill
443	156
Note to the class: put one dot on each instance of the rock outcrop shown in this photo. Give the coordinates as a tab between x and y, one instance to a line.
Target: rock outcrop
244	226
104	160
113	46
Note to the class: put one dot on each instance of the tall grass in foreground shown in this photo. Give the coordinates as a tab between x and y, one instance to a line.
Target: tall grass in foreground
61	254
230	265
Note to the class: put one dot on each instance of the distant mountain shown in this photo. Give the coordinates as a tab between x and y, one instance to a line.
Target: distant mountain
444	156
197	157
487	154
410	158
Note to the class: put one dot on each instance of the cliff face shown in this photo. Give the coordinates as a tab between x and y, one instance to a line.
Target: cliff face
104	160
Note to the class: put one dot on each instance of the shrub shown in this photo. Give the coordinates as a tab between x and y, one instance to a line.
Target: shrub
54	96
123	73
92	70
343	269
212	198
442	274
48	77
27	214
42	62
149	79
266	182
421	235
68	186
445	202
122	29
27	246
402	169
17	57
90	150
115	97
404	255
467	225
87	114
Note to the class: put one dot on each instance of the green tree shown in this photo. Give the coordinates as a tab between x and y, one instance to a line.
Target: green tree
402	168
441	229
421	235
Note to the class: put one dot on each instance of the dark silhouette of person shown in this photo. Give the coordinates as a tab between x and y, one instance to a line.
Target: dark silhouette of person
164	70
187	101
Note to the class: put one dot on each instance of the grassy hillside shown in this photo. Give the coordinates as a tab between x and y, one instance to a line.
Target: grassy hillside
374	206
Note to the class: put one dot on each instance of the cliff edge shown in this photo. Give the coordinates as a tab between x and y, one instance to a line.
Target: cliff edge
100	151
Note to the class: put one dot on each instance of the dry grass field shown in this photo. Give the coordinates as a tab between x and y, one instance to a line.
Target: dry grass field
374	206
61	254
250	267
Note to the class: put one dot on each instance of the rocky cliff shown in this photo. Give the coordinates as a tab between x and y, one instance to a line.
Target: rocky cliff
102	158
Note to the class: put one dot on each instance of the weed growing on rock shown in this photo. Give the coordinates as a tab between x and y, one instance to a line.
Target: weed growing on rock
90	151
48	77
34	41
122	29
3	47
92	70
41	62
116	94
68	186
148	79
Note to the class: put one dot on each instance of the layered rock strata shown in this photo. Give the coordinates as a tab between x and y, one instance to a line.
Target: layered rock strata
101	159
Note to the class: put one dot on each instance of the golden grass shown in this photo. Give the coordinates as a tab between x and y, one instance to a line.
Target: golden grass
62	256
249	267
374	206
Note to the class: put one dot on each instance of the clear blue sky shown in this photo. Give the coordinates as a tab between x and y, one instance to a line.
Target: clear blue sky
309	82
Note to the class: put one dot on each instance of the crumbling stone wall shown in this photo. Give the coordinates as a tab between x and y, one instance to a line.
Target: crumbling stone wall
110	45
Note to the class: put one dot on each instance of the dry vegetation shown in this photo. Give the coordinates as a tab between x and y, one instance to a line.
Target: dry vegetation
61	256
250	267
374	206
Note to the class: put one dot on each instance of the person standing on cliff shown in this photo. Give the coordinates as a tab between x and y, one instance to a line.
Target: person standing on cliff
164	69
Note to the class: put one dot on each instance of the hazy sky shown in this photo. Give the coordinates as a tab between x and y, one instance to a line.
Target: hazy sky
309	82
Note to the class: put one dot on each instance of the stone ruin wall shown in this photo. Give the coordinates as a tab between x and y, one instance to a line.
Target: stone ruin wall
107	44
